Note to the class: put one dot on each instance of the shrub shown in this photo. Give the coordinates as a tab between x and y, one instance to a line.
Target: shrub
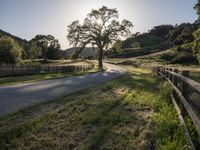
10	51
184	58
54	54
168	56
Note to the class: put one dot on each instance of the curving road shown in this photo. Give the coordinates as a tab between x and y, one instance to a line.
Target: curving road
16	97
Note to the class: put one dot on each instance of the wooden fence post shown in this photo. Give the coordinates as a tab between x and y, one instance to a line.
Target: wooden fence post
164	72
157	71
27	69
48	68
170	75
174	78
167	74
12	70
184	89
175	82
39	69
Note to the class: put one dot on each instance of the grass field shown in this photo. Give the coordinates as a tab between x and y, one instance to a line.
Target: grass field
131	112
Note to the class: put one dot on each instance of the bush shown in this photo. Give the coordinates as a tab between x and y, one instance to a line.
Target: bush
54	54
168	56
184	58
10	51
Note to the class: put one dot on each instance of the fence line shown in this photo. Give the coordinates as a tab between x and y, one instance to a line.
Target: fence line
11	70
181	85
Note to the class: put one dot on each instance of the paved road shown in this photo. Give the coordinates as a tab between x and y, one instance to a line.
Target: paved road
16	97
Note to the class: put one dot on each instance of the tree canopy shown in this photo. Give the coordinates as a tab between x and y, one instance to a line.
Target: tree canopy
43	43
182	33
100	28
154	36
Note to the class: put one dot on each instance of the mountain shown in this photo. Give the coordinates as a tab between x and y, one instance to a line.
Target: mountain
88	52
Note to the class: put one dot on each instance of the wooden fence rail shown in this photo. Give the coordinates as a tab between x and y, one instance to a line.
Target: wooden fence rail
12	70
181	85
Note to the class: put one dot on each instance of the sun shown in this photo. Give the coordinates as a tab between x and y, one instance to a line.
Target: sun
99	21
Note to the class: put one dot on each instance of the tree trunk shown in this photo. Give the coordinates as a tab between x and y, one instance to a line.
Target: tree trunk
100	58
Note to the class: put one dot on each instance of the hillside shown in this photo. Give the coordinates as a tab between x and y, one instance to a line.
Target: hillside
141	44
178	38
88	52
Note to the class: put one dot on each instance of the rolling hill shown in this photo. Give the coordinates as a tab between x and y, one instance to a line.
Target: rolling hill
88	52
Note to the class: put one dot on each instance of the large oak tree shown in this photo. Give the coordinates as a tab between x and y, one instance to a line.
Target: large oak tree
100	28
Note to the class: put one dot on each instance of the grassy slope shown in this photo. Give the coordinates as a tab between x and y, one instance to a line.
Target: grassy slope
131	112
146	43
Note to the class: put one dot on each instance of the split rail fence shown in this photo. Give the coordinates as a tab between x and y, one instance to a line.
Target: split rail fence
13	70
185	97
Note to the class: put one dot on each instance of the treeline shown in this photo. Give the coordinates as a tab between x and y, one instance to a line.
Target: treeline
14	49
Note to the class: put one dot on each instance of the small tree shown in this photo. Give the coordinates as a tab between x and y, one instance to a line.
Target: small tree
35	51
54	51
100	28
10	51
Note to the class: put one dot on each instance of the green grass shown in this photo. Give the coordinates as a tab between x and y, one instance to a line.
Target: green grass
131	112
195	76
32	78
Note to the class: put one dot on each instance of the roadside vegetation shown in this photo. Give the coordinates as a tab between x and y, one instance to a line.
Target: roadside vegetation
131	112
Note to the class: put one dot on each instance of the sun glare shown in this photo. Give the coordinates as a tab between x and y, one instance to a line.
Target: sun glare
99	21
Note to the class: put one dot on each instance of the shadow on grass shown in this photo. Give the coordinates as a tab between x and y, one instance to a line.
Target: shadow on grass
125	113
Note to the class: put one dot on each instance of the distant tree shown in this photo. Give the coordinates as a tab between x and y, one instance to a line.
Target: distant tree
54	51
117	46
197	7
100	28
35	51
10	51
44	42
196	48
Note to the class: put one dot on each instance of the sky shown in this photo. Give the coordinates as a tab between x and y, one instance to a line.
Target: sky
27	18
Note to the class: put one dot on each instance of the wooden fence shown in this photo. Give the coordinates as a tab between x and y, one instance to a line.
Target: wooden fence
13	70
183	97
